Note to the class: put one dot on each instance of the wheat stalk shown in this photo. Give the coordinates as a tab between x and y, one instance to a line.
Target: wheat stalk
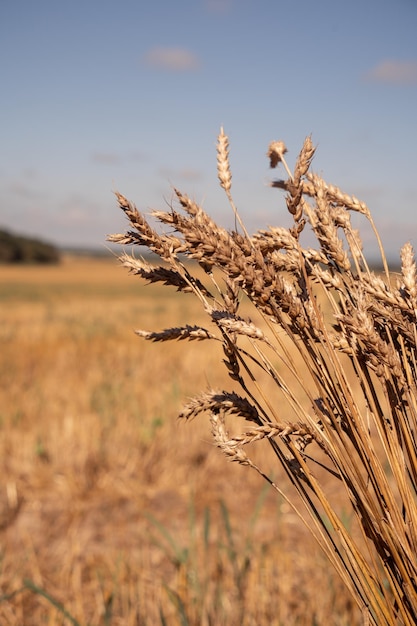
327	373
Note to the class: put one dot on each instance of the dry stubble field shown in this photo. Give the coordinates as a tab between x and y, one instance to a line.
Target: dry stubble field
111	510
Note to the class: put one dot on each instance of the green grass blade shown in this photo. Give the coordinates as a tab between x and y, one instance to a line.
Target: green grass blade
180	554
41	592
231	550
179	605
206	531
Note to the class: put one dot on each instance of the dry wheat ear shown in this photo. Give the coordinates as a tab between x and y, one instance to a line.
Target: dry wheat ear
321	352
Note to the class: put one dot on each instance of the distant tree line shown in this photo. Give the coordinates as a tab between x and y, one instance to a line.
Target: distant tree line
19	249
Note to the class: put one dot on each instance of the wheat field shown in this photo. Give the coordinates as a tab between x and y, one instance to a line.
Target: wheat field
113	511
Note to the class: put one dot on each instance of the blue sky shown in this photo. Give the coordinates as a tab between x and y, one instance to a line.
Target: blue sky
130	95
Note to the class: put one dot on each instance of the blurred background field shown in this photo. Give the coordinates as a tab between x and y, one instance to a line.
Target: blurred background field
112	511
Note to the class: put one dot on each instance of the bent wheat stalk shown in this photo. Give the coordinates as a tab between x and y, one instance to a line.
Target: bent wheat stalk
336	341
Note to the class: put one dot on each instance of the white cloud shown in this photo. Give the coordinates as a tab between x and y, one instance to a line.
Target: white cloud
172	59
394	72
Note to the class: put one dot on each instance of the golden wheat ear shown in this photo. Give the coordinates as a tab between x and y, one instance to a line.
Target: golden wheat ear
323	355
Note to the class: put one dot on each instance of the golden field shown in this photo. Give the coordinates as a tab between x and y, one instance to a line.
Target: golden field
112	511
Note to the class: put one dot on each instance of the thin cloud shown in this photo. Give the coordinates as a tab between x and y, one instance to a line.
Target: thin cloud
105	158
137	156
172	59
392	72
111	158
188	174
218	6
22	190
